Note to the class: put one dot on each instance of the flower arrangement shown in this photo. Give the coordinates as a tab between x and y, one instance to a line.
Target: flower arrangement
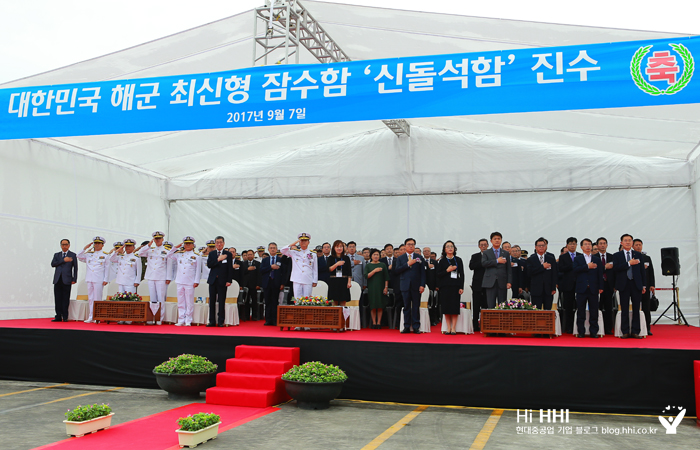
186	364
315	372
125	297
198	421
312	301
516	304
88	412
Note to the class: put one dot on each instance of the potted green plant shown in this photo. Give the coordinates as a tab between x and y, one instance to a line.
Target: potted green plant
314	384
198	428
88	419
185	376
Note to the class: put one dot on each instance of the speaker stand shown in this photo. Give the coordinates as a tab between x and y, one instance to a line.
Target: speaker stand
677	313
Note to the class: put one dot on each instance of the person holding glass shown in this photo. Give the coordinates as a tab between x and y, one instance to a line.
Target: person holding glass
377	276
450	274
340	271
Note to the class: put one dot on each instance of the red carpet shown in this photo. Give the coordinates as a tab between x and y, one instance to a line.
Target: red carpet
665	336
157	432
254	377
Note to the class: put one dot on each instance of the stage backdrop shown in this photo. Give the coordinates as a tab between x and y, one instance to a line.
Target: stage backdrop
49	194
661	217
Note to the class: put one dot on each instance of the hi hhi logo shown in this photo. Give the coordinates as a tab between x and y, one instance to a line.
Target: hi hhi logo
550	415
672	422
661	72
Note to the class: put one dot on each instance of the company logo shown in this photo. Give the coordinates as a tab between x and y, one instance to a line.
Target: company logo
660	73
672	422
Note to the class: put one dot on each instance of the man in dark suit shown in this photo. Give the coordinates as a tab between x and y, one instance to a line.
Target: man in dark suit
630	283
412	285
478	294
518	266
394	279
220	264
250	276
272	274
606	298
497	272
638	245
542	272
65	275
430	266
323	273
589	284
567	284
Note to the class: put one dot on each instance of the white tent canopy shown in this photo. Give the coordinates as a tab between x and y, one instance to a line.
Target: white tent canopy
570	173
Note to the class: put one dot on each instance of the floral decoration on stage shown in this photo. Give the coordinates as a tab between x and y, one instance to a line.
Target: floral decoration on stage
516	304
312	301
125	297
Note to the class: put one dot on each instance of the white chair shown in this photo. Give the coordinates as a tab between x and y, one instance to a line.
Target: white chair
643	331
601	323
321	289
169	315
232	318
353	307
464	321
424	314
112	289
144	291
79	309
557	318
200	316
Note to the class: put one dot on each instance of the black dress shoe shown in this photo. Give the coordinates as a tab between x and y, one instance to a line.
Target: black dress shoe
580	335
56	320
270	324
624	336
650	334
405	331
211	325
636	336
595	336
416	331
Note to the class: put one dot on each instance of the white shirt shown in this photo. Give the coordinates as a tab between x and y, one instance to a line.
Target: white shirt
157	262
188	268
97	265
128	267
304	265
588	258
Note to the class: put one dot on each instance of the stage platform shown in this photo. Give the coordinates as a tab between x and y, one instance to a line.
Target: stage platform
634	376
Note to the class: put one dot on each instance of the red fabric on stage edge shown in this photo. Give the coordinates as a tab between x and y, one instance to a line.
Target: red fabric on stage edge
157	432
665	336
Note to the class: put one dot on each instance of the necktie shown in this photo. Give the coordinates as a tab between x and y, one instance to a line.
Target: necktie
602	257
629	270
218	253
389	261
541	259
572	256
64	254
497	253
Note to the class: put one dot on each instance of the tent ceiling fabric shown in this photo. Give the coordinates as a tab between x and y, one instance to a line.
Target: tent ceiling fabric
663	137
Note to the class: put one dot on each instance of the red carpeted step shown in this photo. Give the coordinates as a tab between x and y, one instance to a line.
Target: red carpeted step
257	366
242	397
249	381
268	353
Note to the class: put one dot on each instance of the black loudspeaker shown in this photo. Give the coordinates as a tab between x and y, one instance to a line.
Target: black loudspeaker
669	261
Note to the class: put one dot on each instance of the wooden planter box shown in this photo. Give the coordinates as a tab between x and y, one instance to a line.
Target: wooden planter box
310	317
109	311
518	321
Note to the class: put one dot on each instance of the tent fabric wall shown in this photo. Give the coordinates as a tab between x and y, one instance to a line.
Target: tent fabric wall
50	194
430	161
522	217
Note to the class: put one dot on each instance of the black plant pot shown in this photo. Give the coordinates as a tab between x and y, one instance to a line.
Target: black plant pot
185	386
313	395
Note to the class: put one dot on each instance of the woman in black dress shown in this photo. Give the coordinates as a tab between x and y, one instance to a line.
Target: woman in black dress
340	274
450	280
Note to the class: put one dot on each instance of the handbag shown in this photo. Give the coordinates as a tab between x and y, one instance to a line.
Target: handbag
653	303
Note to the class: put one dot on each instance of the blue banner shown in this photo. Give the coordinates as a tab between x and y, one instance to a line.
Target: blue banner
640	73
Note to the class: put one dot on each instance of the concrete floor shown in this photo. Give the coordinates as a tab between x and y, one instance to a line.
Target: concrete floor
34	418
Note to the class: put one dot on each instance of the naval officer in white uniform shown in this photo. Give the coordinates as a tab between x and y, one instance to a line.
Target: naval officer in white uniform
188	276
304	266
156	272
128	267
97	274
